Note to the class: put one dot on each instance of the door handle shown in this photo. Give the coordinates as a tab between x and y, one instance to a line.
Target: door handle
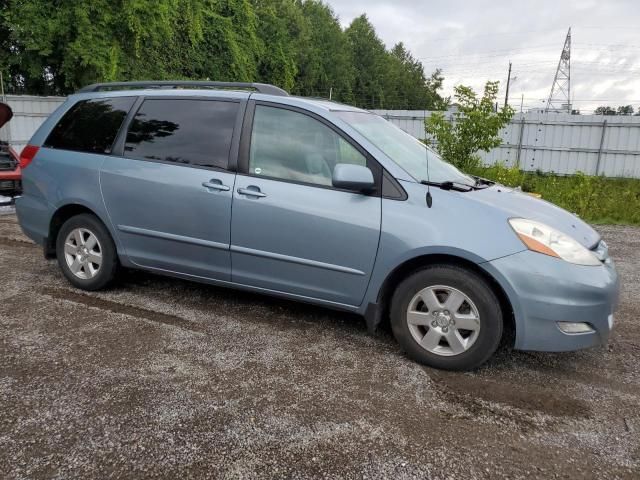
251	192
215	184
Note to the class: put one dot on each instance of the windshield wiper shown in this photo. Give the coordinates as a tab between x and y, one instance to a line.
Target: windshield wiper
449	185
483	182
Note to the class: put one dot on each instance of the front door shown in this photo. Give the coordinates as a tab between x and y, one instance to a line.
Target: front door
291	230
169	194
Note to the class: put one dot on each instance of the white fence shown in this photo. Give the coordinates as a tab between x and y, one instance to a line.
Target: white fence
28	114
555	142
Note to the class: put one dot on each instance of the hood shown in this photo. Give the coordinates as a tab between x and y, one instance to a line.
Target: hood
6	114
517	204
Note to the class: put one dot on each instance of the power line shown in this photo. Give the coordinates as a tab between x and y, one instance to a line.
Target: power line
592	47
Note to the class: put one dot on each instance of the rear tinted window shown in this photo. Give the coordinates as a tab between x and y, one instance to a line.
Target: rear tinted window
192	132
90	125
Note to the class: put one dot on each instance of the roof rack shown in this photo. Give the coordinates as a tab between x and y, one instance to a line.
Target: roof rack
259	87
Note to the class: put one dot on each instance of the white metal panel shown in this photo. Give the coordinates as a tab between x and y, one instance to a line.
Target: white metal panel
29	112
555	142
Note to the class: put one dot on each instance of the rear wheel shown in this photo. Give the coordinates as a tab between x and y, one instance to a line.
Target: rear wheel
447	317
86	252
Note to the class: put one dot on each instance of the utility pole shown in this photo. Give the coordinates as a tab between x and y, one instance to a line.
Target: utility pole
521	102
506	96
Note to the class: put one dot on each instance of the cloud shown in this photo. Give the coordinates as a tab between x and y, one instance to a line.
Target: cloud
473	42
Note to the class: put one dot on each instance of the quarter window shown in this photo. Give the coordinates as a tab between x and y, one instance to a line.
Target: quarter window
190	132
293	146
90	125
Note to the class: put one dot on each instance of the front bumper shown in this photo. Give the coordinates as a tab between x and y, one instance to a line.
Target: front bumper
545	290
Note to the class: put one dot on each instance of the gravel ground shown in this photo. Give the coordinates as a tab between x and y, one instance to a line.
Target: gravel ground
169	379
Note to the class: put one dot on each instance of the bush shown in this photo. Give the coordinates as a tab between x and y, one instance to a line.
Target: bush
474	127
594	199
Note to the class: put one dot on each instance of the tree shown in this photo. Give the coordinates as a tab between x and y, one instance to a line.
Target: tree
406	85
5	39
325	62
66	44
369	58
625	110
434	84
389	79
63	45
474	127
57	46
282	30
225	47
604	110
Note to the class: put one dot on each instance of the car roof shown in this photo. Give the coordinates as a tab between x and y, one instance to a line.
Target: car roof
331	105
314	103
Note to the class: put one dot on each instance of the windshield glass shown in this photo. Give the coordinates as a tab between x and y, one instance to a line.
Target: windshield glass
408	152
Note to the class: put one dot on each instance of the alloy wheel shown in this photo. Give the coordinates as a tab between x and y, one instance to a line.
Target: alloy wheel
443	320
83	253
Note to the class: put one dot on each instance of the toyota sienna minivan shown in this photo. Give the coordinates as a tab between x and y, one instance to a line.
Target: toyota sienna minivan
244	186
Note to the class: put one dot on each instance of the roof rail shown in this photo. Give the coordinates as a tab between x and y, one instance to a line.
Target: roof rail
259	87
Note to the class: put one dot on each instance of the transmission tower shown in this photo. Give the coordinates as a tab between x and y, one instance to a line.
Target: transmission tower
560	96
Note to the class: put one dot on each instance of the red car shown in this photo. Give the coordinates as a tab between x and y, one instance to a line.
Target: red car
10	174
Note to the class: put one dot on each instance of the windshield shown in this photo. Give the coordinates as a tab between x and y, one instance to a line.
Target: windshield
408	152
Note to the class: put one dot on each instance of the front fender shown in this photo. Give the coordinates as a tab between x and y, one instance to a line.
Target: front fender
457	225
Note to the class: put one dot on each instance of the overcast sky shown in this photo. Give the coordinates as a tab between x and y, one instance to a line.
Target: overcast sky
473	41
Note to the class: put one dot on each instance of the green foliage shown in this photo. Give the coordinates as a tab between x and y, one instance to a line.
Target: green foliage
621	110
389	79
594	199
474	127
625	110
410	89
58	46
605	110
282	30
369	58
324	60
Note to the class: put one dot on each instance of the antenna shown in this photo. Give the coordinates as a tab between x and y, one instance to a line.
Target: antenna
560	96
426	152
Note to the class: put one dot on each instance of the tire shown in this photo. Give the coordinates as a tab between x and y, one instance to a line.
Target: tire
95	263
428	329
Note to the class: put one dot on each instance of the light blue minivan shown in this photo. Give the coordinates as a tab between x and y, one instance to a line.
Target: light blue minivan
244	186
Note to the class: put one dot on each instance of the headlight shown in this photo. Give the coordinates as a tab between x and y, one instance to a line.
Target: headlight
541	238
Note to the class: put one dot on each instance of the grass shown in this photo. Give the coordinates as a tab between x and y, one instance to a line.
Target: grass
597	200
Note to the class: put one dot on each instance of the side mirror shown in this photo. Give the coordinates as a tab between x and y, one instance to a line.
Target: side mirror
352	177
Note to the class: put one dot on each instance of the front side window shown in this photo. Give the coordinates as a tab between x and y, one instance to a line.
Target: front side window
184	131
90	125
293	146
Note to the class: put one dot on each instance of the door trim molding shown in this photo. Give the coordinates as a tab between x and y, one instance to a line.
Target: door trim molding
298	260
251	288
170	236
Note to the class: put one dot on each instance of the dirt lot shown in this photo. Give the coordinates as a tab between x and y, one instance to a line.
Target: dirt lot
164	378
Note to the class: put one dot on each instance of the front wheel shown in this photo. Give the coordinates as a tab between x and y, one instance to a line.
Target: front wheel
447	317
86	252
